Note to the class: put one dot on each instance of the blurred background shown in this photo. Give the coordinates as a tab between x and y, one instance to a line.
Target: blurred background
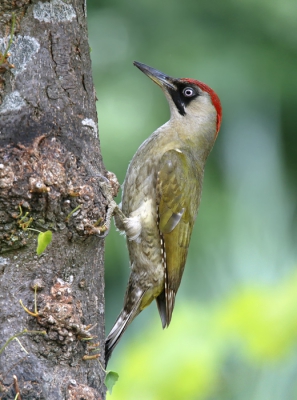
234	329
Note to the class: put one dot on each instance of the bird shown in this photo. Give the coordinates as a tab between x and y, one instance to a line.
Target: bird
161	195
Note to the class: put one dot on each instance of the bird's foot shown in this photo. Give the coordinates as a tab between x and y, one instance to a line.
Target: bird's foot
109	187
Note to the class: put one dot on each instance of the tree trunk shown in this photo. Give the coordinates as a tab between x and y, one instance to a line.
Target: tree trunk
49	165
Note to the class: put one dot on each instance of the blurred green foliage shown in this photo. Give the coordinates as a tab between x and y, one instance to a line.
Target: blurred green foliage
233	332
188	361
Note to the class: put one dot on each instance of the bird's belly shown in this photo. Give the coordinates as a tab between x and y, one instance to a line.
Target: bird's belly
145	253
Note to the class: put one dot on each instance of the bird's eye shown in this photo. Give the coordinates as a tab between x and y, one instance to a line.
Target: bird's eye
188	92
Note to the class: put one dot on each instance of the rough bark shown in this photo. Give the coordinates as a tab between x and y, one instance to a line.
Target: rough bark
49	165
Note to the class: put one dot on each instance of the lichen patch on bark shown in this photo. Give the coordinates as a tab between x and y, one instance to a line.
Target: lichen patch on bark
47	182
61	316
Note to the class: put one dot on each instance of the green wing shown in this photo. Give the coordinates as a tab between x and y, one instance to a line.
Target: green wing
178	194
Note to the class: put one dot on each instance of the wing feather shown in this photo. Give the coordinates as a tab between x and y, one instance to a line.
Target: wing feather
178	195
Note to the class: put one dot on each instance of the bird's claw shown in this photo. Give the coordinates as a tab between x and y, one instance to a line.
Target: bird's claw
109	187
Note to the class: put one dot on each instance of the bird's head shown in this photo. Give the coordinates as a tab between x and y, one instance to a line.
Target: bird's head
190	101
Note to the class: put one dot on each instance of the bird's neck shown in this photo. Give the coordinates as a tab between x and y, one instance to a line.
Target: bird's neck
198	135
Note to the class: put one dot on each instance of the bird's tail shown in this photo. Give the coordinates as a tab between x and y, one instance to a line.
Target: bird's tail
115	334
121	324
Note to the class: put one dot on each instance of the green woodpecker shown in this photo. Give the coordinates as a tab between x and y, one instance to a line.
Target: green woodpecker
161	195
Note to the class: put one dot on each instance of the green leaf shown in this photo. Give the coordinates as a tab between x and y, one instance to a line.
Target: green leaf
110	380
44	239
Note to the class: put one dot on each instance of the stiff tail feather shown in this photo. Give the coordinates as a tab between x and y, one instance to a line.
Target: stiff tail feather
115	334
121	324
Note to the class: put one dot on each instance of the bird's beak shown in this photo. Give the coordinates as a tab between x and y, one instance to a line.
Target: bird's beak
157	76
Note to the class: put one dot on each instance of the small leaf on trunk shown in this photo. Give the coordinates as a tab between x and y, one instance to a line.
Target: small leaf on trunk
110	380
44	239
